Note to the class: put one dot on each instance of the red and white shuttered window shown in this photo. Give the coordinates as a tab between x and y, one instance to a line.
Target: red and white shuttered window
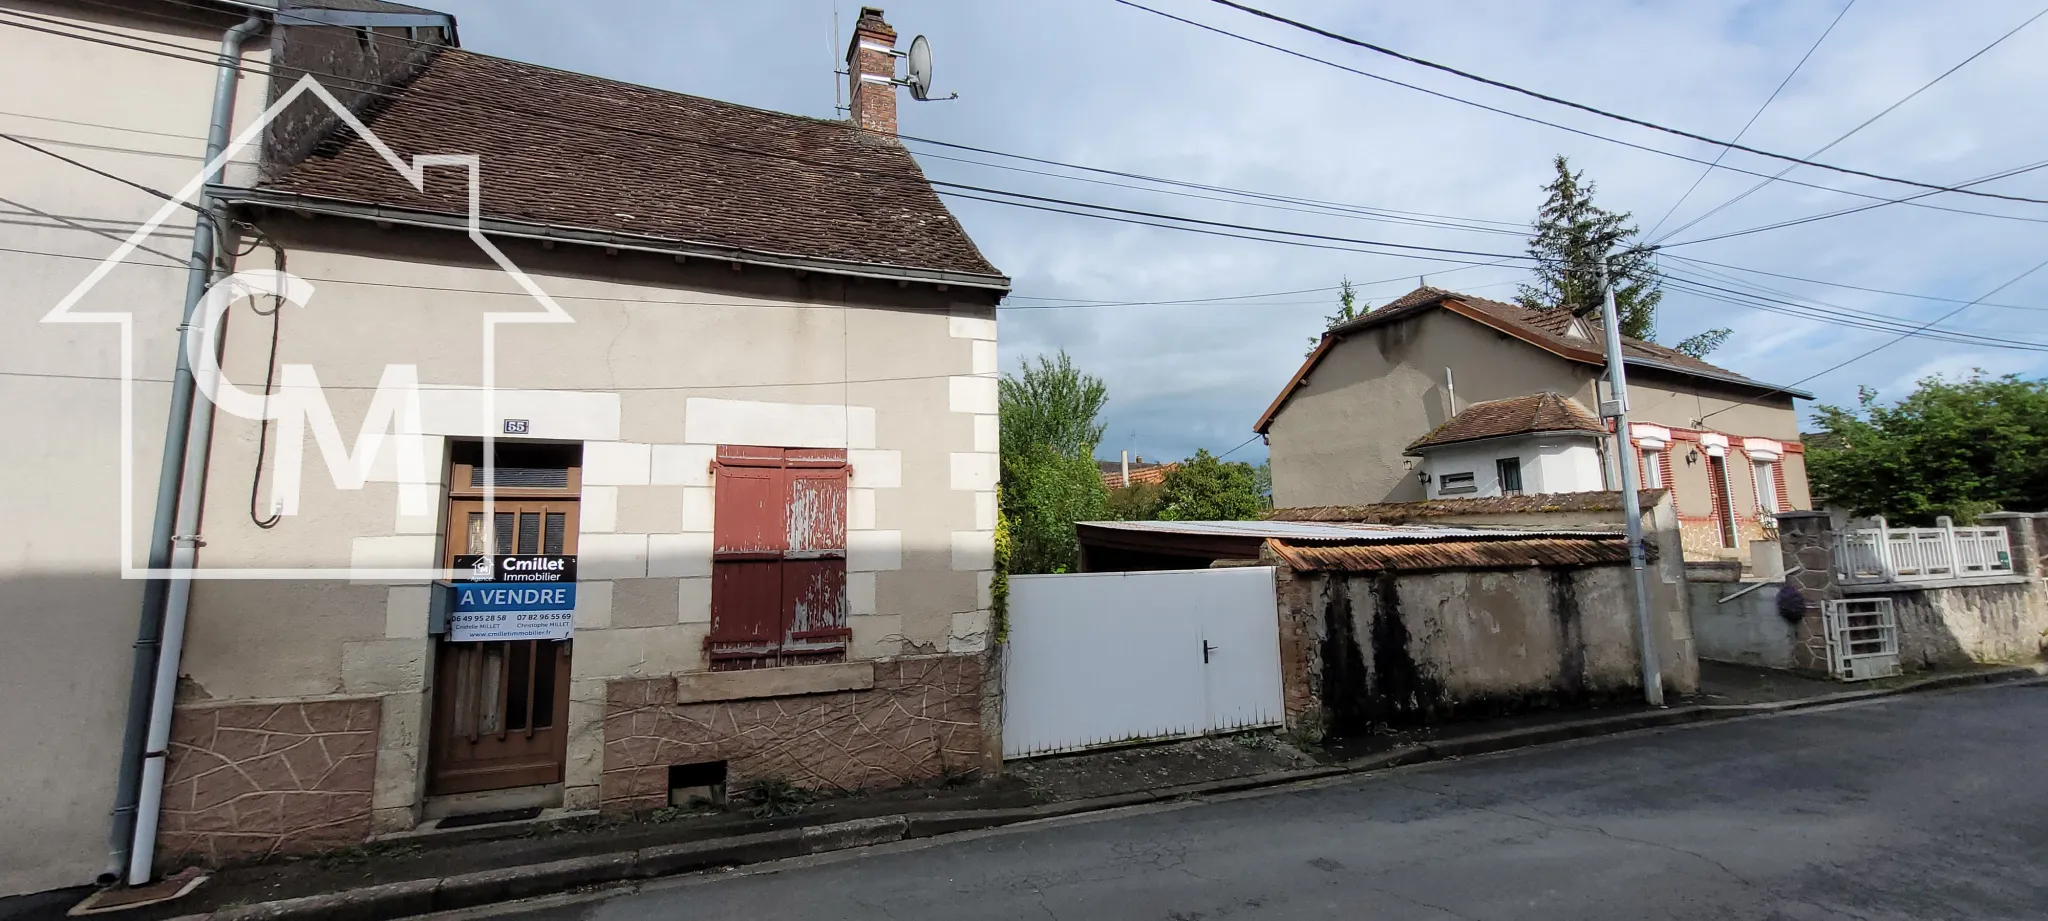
778	562
1766	459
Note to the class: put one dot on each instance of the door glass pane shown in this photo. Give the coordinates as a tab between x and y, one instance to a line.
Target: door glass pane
517	659
529	533
504	543
551	541
490	698
544	684
478	541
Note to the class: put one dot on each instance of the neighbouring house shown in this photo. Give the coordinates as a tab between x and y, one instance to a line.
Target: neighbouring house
1421	621
738	368
1540	443
1364	420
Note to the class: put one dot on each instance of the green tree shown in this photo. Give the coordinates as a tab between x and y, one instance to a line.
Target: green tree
1573	234
1043	494
1137	502
1348	309
1051	404
1049	414
1955	448
1204	488
1262	482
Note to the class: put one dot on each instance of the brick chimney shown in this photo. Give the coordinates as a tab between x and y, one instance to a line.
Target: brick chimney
871	73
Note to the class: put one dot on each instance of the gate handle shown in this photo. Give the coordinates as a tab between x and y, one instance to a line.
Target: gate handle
1206	650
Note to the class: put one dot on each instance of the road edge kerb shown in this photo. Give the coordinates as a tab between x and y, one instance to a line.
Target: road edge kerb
469	890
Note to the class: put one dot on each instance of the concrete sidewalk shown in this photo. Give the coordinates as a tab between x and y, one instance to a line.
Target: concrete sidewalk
486	864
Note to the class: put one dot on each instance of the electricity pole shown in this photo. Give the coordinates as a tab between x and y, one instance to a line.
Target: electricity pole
1631	502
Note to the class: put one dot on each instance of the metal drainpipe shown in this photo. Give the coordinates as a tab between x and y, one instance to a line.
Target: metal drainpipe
159	639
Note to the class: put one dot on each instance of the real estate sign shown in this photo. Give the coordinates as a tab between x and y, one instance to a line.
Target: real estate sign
525	597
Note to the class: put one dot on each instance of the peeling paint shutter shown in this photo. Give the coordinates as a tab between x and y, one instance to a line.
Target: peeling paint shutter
1778	482
779	556
814	569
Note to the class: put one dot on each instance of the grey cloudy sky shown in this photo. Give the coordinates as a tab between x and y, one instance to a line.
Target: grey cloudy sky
1102	84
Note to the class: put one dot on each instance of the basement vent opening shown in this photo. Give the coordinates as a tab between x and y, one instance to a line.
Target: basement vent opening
700	783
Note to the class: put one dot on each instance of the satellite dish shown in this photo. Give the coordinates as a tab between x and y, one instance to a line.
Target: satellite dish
920	81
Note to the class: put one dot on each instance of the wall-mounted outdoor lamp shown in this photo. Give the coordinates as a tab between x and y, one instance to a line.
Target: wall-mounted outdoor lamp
1692	457
1422	476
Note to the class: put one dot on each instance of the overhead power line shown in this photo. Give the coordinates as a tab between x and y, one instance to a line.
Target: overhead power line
1851	319
1839	212
669	137
1894	340
1604	113
1924	87
1838	284
1810	49
1499	259
1561	127
1230	225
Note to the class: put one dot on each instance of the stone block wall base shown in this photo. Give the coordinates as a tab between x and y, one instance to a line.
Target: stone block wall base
250	781
921	719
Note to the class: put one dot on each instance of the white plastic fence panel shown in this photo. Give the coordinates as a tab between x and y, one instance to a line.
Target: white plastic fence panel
1921	554
1104	658
1863	638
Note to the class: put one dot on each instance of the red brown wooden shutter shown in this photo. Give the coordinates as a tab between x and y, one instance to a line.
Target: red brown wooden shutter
1778	482
779	556
748	539
814	568
1718	492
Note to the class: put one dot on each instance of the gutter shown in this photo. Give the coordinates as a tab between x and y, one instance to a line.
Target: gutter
160	633
645	243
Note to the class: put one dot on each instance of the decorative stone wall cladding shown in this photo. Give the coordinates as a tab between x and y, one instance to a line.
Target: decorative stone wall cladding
1807	540
249	781
921	718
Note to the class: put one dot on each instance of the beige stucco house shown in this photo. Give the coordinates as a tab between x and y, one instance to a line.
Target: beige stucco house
741	391
1438	388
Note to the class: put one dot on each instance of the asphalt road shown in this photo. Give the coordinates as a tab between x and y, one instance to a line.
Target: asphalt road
1925	806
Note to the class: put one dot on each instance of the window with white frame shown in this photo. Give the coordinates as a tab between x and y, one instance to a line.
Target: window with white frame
1766	485
1653	468
1456	483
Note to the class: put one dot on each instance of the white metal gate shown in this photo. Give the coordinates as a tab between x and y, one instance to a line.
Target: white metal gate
1863	638
1103	658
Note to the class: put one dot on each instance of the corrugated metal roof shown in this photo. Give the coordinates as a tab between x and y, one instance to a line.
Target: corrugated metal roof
1326	531
1397	512
1436	555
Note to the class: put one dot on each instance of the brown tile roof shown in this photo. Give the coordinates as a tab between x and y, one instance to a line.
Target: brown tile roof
1141	473
1403	512
1438	555
1548	411
577	151
1545	329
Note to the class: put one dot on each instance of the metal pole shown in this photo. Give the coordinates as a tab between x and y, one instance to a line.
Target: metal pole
170	472
1631	502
